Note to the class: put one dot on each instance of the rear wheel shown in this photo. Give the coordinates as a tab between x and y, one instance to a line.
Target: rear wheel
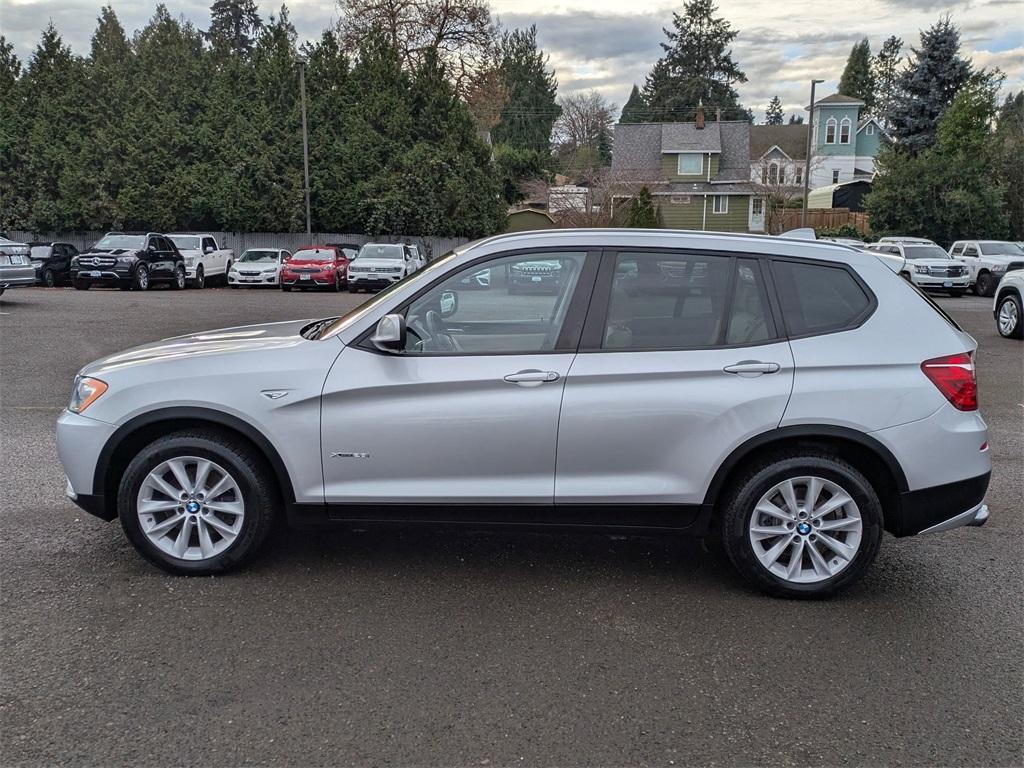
179	281
197	502
49	280
200	278
985	284
805	526
1010	317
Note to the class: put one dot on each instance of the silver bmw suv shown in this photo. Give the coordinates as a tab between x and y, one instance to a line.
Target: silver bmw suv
793	399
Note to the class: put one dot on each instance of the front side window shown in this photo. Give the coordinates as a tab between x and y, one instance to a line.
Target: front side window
817	298
685	301
510	305
208	244
957	248
690	164
721	204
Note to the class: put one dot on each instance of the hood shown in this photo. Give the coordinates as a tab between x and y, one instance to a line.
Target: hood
109	252
936	262
325	262
377	263
210	345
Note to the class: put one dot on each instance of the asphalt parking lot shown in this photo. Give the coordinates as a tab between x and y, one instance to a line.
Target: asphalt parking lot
455	648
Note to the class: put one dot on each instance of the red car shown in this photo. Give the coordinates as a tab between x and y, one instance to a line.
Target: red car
315	266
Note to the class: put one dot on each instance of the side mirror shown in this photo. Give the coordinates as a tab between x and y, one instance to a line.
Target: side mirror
207	249
449	303
390	334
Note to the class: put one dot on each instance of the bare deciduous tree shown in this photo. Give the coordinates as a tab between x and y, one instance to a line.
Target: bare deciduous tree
461	31
582	133
779	183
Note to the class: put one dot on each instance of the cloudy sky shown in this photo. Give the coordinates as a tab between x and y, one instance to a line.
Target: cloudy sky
602	45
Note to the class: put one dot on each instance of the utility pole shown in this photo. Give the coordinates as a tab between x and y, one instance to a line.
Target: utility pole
305	140
807	159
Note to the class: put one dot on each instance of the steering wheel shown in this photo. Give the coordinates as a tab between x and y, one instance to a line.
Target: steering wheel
442	340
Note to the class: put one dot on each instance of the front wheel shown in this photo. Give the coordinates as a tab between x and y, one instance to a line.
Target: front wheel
49	280
141	280
82	285
179	281
197	502
1010	318
985	284
805	526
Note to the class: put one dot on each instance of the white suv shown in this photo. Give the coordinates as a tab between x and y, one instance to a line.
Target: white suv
924	263
1008	306
792	398
987	260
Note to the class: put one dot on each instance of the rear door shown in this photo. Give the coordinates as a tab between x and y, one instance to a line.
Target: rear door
683	358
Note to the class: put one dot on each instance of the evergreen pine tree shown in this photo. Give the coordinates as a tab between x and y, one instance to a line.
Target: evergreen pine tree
858	80
796	119
531	111
773	115
927	87
697	67
642	214
13	203
635	110
1009	149
885	69
234	25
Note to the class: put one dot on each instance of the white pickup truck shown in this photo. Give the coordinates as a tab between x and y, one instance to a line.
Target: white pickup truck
204	258
988	261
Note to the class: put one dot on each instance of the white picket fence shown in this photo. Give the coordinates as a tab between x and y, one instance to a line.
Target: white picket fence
432	247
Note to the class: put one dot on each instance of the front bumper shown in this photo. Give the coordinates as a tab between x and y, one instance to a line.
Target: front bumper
933	283
108	275
80	441
235	278
942	507
315	280
372	280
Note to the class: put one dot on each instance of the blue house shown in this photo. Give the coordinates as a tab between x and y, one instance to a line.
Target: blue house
846	142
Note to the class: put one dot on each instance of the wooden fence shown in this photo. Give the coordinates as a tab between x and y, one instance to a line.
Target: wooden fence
826	217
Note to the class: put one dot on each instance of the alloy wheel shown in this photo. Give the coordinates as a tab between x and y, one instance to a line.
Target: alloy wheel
1008	317
805	530
190	508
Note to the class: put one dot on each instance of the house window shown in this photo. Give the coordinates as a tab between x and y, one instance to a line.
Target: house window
757	206
773	173
690	164
721	204
835	176
799	175
830	131
844	131
870	129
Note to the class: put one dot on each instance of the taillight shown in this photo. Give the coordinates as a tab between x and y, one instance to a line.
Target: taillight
954	376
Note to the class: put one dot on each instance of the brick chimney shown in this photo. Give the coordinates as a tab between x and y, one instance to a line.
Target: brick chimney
699	122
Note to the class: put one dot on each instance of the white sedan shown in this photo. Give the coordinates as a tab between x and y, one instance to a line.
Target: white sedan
258	266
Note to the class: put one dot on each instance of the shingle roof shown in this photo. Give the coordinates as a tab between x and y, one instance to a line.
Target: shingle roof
734	163
636	148
686	137
837	98
791	139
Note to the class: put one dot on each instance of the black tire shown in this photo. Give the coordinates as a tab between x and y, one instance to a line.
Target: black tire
956	294
82	285
199	281
337	285
179	281
124	286
1017	332
249	469
140	280
286	288
224	277
738	508
985	285
49	279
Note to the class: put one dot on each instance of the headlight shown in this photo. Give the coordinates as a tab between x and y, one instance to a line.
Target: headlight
86	391
999	268
921	270
125	259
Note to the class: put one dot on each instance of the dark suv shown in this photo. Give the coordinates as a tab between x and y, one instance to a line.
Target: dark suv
52	262
131	261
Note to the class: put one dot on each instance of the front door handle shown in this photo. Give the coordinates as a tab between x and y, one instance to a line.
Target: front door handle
531	377
752	368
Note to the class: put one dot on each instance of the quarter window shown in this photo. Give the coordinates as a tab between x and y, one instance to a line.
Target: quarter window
690	164
685	301
817	298
513	304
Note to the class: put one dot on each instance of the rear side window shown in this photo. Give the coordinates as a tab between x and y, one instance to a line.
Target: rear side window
817	298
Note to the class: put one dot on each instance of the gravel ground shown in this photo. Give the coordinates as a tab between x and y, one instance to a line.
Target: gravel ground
456	648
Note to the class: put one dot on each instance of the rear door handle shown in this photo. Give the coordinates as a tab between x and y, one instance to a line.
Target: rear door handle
531	378
752	368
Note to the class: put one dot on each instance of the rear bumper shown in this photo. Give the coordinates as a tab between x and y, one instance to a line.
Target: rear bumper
17	276
942	507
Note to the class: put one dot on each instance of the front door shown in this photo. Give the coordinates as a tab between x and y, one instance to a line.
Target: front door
681	361
468	412
756	223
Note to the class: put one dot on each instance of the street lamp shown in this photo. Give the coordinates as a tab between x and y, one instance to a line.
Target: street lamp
807	158
305	137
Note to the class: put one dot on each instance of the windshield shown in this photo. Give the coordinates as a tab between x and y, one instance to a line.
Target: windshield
186	242
1001	249
422	276
40	252
249	256
377	251
313	254
115	242
924	252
